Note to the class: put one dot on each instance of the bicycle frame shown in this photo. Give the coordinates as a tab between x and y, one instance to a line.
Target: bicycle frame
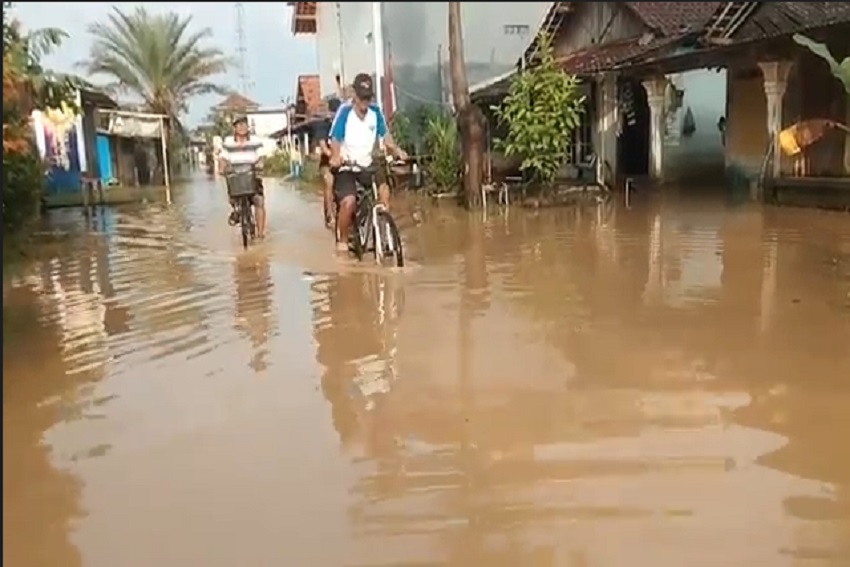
366	212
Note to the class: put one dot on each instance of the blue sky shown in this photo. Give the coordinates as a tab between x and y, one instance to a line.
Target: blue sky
275	58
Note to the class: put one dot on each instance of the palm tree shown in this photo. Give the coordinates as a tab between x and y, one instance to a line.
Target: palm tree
470	118
156	58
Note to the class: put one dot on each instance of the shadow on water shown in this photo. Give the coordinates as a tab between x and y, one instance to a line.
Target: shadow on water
672	378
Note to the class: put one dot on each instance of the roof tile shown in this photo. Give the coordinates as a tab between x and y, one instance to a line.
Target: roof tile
674	17
773	19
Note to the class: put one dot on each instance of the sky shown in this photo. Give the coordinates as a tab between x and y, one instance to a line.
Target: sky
274	57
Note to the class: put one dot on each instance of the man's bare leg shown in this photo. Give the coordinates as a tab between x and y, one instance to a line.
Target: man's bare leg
344	215
260	213
329	198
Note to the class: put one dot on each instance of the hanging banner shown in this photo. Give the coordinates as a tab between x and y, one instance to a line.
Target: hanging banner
129	124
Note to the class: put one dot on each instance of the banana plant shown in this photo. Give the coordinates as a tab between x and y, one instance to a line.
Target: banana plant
840	71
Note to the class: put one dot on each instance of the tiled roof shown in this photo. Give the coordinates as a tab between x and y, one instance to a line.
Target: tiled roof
670	18
610	55
236	101
770	20
773	19
662	18
310	92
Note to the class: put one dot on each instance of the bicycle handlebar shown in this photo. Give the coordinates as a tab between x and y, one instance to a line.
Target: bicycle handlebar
353	166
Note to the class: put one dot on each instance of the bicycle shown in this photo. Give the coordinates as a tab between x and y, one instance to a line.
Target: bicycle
375	230
242	186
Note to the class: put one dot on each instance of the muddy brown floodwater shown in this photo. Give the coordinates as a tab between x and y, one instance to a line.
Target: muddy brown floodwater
663	386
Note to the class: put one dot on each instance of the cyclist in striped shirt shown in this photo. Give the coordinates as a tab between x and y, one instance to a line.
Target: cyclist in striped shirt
240	151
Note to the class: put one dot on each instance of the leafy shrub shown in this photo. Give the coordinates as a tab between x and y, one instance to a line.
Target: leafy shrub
23	184
277	164
443	147
402	131
540	113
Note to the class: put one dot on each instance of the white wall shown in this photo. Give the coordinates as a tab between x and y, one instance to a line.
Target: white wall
266	123
417	34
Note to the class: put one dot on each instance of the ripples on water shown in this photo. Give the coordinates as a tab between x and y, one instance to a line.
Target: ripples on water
663	386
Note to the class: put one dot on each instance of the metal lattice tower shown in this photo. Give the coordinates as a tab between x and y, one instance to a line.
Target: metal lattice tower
245	83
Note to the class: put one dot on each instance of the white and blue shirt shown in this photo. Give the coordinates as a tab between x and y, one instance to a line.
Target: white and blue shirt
357	136
247	152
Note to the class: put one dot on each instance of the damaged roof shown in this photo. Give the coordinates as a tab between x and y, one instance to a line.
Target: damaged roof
596	58
774	19
671	18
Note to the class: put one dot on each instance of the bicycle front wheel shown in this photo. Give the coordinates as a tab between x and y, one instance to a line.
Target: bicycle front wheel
247	222
389	239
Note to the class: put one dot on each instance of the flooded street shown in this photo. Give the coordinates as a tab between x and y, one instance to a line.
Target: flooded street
664	386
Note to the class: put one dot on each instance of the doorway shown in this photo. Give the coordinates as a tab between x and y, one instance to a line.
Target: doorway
633	142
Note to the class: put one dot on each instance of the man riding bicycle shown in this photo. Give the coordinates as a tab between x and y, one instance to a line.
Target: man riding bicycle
238	151
356	129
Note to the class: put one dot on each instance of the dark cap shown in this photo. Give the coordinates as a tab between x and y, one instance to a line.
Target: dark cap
240	118
364	88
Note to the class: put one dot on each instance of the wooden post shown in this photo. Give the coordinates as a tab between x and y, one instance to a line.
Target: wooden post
165	176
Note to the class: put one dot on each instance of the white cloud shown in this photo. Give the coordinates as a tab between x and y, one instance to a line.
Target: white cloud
275	58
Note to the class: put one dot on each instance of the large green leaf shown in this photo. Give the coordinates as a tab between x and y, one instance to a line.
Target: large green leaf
841	71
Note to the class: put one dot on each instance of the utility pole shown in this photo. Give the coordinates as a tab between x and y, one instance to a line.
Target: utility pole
378	39
242	50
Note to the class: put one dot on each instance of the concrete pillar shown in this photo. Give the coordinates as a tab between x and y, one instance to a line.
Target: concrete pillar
607	122
656	88
775	80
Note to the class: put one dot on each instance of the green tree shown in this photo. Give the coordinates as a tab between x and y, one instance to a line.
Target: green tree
26	85
540	114
23	52
156	58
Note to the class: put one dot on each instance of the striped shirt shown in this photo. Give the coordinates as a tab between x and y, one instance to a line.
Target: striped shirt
246	152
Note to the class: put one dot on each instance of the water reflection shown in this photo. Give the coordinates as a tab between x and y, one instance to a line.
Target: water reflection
40	501
356	318
254	309
671	378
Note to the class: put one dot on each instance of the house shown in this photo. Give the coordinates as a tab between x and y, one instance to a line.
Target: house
416	42
67	141
661	75
590	40
308	109
775	86
234	104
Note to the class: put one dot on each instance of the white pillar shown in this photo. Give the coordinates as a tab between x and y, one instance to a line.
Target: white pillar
378	39
775	80
656	89
607	121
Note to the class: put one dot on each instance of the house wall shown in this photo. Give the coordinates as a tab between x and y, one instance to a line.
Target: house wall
699	155
589	22
416	34
266	123
746	122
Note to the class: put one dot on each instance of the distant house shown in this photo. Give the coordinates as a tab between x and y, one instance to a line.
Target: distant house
308	109
235	104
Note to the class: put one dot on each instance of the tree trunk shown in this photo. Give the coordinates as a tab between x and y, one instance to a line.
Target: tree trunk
470	118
